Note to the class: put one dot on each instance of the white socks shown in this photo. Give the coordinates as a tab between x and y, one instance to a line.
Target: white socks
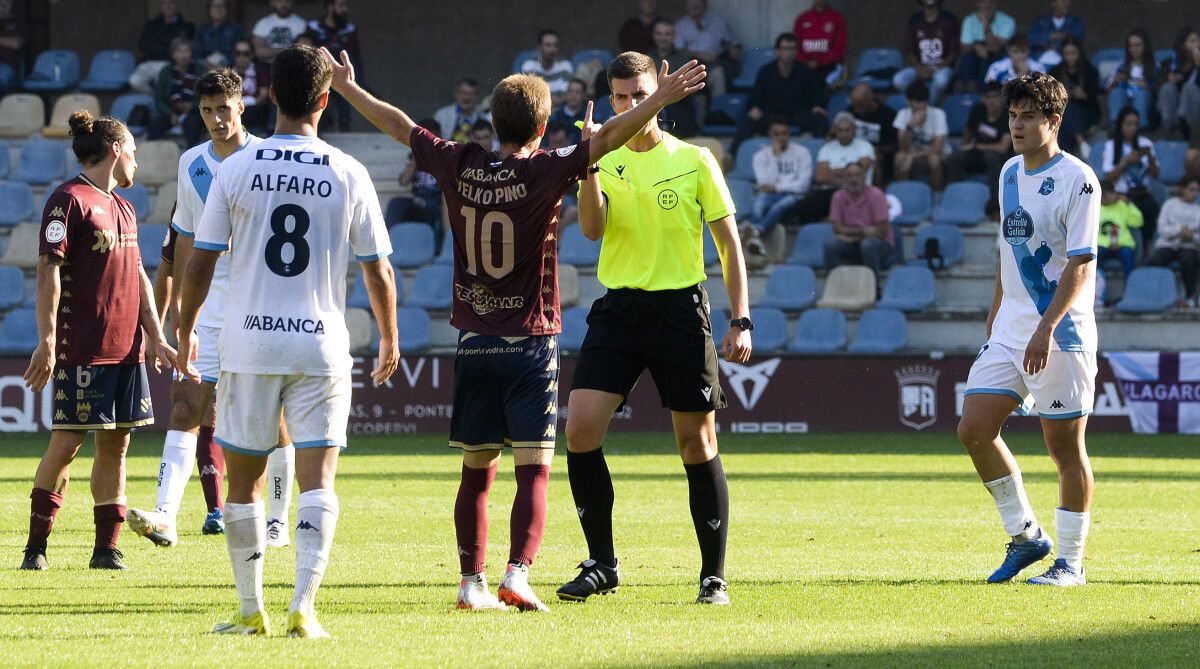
179	450
1013	505
1072	531
281	470
246	536
316	521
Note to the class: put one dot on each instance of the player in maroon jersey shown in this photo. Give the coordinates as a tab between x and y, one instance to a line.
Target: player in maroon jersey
504	208
93	303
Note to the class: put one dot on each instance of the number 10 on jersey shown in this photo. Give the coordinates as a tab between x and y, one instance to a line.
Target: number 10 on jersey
480	238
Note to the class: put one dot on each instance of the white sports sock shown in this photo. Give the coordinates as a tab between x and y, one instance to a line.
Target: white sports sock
1072	531
1013	505
179	450
281	470
316	521
246	536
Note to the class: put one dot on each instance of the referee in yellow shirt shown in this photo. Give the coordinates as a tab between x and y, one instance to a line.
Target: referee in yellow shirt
649	201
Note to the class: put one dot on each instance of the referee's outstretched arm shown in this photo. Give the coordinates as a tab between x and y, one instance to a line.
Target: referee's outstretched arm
736	347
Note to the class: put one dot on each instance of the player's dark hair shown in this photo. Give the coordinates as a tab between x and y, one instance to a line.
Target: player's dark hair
658	21
548	31
1019	41
629	65
300	75
784	37
223	82
520	107
468	81
92	137
431	124
1045	93
917	91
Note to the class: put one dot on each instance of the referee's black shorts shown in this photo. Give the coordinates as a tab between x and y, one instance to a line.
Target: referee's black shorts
665	331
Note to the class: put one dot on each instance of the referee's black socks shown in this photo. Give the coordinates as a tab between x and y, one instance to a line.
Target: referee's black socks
708	495
591	486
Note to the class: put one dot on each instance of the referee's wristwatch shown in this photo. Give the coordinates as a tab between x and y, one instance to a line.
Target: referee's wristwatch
743	323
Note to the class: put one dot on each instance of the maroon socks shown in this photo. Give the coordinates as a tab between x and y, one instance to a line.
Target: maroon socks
108	524
528	520
470	518
43	507
211	461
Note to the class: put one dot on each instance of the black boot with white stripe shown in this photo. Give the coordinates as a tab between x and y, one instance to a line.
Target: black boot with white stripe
593	579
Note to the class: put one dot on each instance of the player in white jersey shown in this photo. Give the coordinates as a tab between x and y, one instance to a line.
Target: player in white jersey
291	207
1041	346
190	432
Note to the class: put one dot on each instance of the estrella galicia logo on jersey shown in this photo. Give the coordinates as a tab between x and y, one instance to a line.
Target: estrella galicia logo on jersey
1087	189
302	157
1018	226
200	172
1047	186
483	301
918	395
668	198
280	324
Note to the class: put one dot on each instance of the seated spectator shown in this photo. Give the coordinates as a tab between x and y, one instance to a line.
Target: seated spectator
821	37
708	38
1179	238
875	124
784	89
154	45
985	32
572	110
278	30
782	176
1179	95
835	156
215	39
1130	164
986	143
1118	219
1049	31
862	234
483	134
1017	63
336	32
424	204
547	65
256	88
930	49
682	114
13	35
1083	94
922	134
636	33
175	96
1132	84
456	120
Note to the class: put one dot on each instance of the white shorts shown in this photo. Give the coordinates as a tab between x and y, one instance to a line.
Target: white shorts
1066	388
315	408
208	354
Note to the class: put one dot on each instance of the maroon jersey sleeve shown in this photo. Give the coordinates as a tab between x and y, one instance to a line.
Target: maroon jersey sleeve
433	154
60	224
562	166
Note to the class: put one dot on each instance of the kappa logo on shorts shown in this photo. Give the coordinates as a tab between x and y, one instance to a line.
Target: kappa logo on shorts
1056	404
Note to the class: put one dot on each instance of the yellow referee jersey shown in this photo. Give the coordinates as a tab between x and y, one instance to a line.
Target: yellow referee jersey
658	203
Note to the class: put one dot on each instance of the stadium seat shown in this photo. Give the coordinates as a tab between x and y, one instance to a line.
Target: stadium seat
963	203
742	192
897	101
520	59
712	144
362	330
574	327
908	289
791	287
18	332
575	249
1149	290
42	162
412	244
743	164
358	299
584	55
22	248
67	104
139	197
848	288
838	102
16	203
602	110
432	288
1095	158
732	105
21	115
158	162
711	255
415	329
1163	56
958	108
12	287
753	60
916	199
1107	60
950	244
718	296
819	331
54	70
877	66
4	160
109	71
719	320
1170	156
880	331
446	255
568	285
809	248
164	202
770	329
150	242
122	108
813	144
393	213
8	78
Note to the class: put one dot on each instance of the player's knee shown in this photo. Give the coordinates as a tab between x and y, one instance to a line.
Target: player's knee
696	448
582	435
974	436
186	409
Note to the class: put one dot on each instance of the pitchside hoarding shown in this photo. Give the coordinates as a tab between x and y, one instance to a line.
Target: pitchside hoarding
767	395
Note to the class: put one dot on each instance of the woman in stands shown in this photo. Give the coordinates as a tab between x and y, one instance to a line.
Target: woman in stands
1179	96
1130	164
1179	238
1134	81
1082	81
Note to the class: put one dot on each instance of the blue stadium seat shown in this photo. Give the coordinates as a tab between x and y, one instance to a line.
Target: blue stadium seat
520	59
602	110
916	199
584	55
1162	56
950	244
109	71
575	249
711	255
819	331
897	101
432	288
877	66
1149	290
839	101
151	238
16	203
139	197
42	162
1170	156
958	108
789	287
358	299
813	144
393	213
8	78
963	203
1107	60
415	329
742	192
732	104
18	332
412	244
54	70
12	287
3	160
719	319
1095	158
770	329
880	331
743	164
809	248
908	289
753	60
124	105
446	255
574	327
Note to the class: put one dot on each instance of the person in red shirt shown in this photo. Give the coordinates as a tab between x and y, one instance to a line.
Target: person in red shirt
821	32
94	309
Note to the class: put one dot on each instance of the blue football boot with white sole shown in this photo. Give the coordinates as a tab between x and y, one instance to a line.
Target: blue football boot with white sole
1021	555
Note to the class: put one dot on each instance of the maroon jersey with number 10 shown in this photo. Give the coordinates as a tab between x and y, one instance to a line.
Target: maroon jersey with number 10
504	222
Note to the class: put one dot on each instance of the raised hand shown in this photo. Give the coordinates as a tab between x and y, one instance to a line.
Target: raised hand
588	126
681	83
343	70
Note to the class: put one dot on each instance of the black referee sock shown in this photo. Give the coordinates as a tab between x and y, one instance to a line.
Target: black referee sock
591	486
708	495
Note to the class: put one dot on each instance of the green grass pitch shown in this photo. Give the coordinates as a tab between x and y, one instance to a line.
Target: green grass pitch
845	550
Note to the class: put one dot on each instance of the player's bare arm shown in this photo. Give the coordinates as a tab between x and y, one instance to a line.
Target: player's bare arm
1079	270
672	87
736	346
380	280
183	253
49	288
196	281
389	119
156	343
593	208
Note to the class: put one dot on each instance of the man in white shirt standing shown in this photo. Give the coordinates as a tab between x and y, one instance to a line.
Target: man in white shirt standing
782	175
546	64
278	30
